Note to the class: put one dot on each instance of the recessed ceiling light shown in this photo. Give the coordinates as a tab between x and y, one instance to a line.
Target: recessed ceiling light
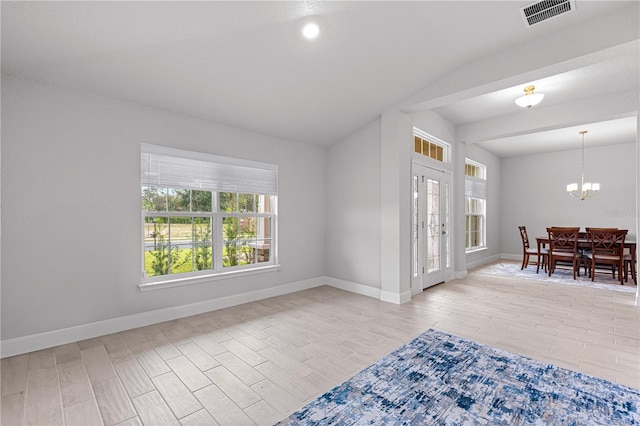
311	30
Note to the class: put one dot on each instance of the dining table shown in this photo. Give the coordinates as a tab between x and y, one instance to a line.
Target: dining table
584	243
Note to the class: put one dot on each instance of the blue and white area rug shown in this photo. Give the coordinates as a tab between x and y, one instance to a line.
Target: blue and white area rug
440	379
560	276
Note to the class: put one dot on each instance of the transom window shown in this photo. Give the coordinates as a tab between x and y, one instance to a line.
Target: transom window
476	170
205	214
426	145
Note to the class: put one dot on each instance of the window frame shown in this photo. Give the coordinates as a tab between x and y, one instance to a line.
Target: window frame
442	149
218	269
221	215
475	189
481	216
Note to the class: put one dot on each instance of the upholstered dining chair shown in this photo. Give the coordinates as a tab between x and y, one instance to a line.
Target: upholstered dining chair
607	248
542	256
563	247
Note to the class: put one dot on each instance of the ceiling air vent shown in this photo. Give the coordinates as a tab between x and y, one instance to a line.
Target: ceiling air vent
546	9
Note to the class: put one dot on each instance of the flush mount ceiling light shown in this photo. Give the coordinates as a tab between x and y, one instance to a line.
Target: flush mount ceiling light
529	99
311	30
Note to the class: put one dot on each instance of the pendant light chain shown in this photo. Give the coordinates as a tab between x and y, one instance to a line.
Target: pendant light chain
585	190
582	171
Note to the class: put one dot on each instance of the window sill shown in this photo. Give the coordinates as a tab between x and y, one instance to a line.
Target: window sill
178	282
476	250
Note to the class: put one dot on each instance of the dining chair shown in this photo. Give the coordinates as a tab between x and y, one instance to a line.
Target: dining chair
607	248
586	250
542	256
563	248
629	265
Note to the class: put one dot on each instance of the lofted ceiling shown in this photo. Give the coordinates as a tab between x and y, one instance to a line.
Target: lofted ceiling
244	64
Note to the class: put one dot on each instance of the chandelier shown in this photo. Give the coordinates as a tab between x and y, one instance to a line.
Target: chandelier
587	189
529	99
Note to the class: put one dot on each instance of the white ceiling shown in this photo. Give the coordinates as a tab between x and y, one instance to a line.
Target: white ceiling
244	63
611	132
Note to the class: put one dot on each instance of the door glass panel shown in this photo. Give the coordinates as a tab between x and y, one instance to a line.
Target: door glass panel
447	239
433	225
416	228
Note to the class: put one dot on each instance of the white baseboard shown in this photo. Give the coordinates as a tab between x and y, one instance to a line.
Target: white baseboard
352	287
34	342
397	298
484	261
511	256
460	275
365	290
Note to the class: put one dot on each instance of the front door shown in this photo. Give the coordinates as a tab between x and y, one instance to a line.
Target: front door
431	239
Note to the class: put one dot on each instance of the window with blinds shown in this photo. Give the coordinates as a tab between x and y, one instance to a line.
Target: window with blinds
204	214
475	192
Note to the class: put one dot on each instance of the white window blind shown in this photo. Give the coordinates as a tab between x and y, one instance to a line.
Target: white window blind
475	179
475	188
176	168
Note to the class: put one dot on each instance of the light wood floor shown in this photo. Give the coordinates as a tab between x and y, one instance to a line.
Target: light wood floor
258	362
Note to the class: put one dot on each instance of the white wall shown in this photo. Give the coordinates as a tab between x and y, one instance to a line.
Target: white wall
432	123
71	248
395	172
353	210
494	211
534	192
